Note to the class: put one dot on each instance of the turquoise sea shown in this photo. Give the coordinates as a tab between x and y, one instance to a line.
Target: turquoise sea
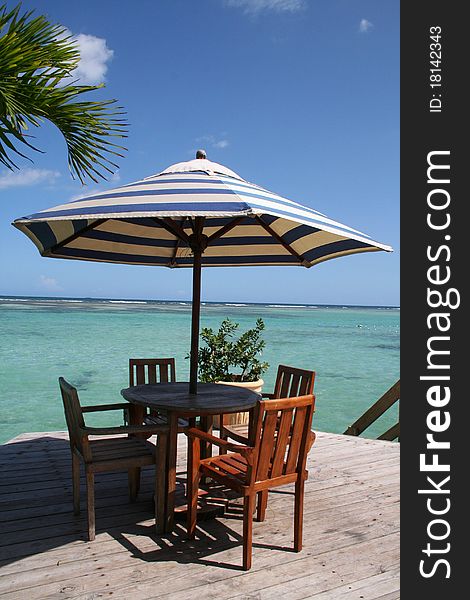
354	350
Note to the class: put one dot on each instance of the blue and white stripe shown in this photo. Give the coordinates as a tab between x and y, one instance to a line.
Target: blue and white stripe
119	225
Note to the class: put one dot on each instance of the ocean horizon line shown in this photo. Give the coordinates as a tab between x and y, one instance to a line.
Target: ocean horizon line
183	302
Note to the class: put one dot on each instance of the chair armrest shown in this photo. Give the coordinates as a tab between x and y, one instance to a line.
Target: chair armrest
100	407
311	440
148	429
207	437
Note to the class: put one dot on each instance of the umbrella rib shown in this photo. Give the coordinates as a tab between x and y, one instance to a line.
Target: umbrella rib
276	236
73	237
223	230
173	228
177	245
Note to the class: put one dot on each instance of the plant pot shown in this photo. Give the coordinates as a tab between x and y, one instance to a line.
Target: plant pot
241	418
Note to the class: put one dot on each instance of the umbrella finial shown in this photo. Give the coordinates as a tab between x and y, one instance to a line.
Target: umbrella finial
201	154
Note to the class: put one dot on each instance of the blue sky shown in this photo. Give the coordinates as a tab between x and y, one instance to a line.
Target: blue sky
301	97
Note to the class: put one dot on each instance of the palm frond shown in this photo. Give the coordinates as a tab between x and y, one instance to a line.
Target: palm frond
36	62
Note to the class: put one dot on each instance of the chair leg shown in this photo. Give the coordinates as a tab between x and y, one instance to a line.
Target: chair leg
90	494
76	483
194	449
222	433
248	506
298	513
262	504
134	483
160	483
206	447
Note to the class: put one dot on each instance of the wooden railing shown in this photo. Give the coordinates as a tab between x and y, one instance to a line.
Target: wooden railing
375	411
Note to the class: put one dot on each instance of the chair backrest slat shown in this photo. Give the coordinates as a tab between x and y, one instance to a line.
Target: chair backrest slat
296	439
282	429
294	385
284	391
151	370
283	434
306	385
140	374
267	444
152	374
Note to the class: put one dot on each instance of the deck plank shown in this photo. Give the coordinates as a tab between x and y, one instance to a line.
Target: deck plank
351	532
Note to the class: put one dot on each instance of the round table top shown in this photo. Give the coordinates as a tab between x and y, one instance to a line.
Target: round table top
211	398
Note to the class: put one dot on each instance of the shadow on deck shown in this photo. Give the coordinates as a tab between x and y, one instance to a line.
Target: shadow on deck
351	532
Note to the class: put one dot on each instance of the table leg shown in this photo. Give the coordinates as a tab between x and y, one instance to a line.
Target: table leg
171	470
136	414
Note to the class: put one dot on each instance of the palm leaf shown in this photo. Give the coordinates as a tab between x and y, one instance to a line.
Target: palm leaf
36	62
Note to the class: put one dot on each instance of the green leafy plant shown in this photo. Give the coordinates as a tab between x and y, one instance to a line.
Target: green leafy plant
222	354
37	60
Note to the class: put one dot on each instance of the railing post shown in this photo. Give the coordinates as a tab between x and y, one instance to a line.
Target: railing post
375	411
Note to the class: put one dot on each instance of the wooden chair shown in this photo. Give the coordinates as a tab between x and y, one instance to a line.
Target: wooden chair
290	382
154	370
111	454
276	456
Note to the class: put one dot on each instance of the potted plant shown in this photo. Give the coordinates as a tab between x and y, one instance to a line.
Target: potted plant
224	359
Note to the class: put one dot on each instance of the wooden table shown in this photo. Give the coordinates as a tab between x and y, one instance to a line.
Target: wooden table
175	400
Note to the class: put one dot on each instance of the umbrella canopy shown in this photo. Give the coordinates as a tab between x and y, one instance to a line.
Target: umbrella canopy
192	214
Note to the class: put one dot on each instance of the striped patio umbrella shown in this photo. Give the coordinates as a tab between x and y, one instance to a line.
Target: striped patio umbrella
192	214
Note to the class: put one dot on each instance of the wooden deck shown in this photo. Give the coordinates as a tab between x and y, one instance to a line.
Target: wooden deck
351	532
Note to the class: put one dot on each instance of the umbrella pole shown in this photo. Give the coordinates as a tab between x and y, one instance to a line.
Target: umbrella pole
198	243
196	310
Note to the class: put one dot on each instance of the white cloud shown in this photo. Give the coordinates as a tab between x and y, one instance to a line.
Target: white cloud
213	141
94	56
221	144
253	7
27	177
365	25
50	284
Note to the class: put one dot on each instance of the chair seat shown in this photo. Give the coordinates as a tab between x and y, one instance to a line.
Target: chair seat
233	466
122	449
161	419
